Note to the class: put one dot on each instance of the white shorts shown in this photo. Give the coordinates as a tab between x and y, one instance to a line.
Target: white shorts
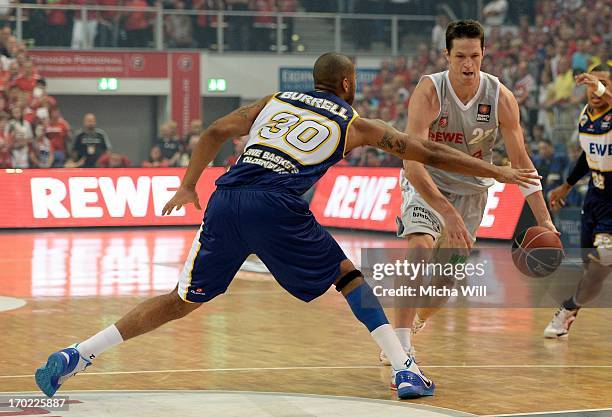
419	217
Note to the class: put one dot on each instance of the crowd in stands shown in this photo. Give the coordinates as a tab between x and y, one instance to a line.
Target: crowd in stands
536	59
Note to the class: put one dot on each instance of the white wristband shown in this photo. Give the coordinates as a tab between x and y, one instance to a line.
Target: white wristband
601	89
527	190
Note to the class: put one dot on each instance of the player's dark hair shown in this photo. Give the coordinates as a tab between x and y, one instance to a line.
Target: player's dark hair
603	67
464	29
330	69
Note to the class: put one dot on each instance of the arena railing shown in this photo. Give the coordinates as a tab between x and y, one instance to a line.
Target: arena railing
231	31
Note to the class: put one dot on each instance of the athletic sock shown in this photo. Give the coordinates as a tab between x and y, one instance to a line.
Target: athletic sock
368	310
388	342
98	343
571	304
403	334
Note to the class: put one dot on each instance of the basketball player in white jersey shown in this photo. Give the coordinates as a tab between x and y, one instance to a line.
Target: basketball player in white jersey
465	109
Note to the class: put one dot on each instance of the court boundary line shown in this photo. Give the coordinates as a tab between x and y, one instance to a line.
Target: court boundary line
314	368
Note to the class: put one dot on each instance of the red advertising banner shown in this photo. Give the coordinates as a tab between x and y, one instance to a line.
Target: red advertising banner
69	64
97	197
370	199
185	96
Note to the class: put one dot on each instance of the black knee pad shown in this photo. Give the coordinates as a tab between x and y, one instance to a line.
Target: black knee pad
347	278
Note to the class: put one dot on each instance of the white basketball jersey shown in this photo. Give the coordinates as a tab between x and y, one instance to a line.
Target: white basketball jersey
471	128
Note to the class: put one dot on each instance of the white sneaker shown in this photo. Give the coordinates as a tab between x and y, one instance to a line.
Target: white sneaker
386	362
560	324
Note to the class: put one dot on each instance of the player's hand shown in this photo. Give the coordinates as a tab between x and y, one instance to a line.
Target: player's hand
557	196
456	233
550	226
520	176
182	196
591	81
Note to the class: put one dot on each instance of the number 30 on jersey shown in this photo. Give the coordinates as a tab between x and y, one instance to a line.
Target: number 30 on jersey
308	137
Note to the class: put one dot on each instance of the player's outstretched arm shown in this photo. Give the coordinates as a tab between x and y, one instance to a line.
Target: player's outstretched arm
557	196
381	135
237	123
510	127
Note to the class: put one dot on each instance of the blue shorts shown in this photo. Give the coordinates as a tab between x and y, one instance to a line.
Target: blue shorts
596	228
278	227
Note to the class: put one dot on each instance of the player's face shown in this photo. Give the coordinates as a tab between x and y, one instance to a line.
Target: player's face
594	101
464	60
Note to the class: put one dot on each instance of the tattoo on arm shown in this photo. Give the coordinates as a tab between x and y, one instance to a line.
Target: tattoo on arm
400	146
385	141
244	111
392	143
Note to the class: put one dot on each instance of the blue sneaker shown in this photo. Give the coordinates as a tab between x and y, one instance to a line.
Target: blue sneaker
411	382
59	367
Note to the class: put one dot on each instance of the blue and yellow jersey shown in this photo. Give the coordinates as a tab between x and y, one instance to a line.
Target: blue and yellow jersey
294	140
596	141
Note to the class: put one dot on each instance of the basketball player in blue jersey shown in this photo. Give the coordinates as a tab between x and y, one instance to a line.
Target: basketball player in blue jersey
465	109
596	232
293	139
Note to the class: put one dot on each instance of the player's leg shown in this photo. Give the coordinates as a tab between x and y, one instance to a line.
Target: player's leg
420	249
306	261
596	244
407	378
216	254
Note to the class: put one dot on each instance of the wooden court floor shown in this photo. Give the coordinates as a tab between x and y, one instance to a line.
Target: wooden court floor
258	338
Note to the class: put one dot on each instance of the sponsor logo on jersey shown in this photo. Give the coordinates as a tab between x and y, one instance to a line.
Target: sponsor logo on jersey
484	113
443	122
450	137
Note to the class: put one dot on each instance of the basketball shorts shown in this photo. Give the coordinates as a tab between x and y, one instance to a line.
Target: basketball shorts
278	227
419	217
596	229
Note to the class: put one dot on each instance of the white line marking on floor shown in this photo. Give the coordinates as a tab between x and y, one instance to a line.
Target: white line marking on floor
314	368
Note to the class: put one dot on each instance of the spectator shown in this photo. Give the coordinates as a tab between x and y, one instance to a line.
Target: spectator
205	26
113	160
5	33
58	25
186	155
21	151
108	25
136	25
58	132
18	124
195	129
156	159
239	144
91	142
524	90
84	30
495	12
6	159
28	79
549	165
438	33
169	144
5	136
41	152
239	30
178	28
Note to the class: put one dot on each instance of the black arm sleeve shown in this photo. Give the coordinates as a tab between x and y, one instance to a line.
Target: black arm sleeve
580	170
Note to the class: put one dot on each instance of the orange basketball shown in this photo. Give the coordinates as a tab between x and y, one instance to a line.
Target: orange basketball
537	251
